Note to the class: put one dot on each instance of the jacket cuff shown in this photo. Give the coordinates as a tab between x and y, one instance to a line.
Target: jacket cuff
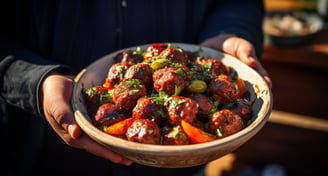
21	82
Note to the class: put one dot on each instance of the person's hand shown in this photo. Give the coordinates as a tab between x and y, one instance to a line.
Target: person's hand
240	48
55	95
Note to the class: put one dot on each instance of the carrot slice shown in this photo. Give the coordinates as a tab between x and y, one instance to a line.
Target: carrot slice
195	134
241	86
119	128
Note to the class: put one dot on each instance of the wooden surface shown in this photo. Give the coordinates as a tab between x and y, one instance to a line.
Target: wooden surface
289	4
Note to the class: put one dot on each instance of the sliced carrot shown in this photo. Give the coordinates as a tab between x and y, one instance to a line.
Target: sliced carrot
119	128
242	87
195	134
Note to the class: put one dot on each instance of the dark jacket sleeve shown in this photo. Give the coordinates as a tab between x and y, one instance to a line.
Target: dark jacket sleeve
240	17
21	73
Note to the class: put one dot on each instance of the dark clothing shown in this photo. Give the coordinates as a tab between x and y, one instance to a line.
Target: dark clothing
39	36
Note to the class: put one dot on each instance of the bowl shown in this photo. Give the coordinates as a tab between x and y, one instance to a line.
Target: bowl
290	28
176	156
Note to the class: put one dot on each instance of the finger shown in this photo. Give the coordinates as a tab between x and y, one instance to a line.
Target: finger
208	44
244	52
60	109
261	70
96	149
268	80
64	117
87	144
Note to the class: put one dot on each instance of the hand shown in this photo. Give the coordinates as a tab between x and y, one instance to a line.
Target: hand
55	95
240	48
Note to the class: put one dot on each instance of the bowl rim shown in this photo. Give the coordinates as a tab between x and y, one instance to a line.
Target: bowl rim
85	122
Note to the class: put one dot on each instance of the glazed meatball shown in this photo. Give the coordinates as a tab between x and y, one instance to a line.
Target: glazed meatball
146	108
179	107
96	96
242	107
174	136
126	94
224	90
154	50
214	66
144	131
141	71
170	79
224	123
129	56
176	55
107	114
200	73
116	74
205	106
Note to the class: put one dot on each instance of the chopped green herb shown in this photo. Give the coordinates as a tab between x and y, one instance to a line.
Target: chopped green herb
174	132
177	90
150	131
218	132
131	82
120	70
133	91
179	71
207	66
179	50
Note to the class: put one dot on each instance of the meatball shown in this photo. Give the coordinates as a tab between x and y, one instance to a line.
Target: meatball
174	136
141	71
126	94
116	74
224	123
144	131
175	55
96	96
170	79
179	107
214	66
205	106
146	108
242	107
154	50
129	56
107	114
200	73
224	90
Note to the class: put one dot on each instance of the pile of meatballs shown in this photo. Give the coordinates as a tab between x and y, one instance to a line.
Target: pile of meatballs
165	95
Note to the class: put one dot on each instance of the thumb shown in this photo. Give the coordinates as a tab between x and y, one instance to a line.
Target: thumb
65	118
58	107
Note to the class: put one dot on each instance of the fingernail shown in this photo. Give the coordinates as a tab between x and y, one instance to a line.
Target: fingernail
251	62
71	130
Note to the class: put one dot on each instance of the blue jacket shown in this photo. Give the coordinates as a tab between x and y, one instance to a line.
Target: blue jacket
39	36
75	33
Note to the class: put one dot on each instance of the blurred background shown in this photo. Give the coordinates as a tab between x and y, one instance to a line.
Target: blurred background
295	139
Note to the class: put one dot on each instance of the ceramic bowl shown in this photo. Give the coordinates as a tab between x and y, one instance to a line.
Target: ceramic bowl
173	156
291	28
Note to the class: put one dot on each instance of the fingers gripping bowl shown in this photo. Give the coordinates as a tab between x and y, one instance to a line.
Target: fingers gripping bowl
173	156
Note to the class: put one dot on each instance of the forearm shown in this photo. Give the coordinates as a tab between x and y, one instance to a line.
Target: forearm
21	73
